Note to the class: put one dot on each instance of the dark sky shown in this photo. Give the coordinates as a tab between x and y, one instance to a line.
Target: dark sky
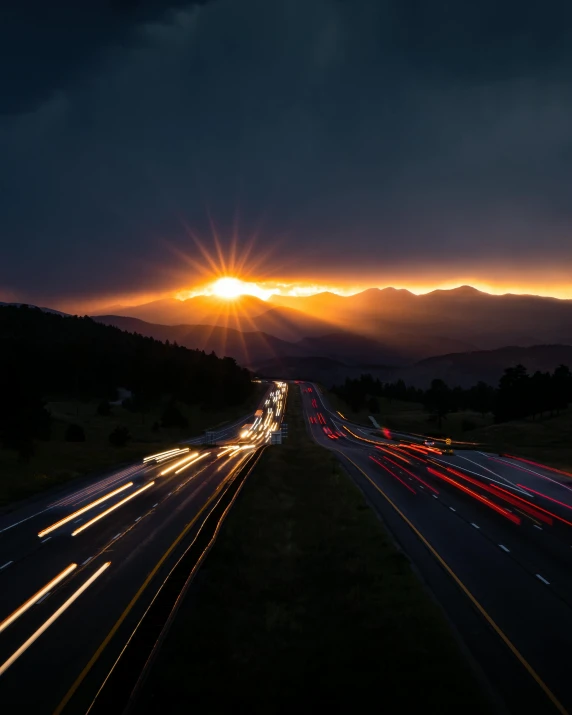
362	141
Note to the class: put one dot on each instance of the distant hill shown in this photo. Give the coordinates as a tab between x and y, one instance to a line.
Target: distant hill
466	369
247	348
463	369
409	326
464	315
253	348
29	305
201	310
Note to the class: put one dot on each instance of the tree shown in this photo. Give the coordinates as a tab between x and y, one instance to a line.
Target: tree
438	400
561	388
104	408
513	395
173	417
373	405
119	436
74	433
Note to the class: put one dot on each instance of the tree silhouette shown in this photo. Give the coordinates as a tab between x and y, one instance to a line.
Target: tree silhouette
84	360
438	400
74	433
119	436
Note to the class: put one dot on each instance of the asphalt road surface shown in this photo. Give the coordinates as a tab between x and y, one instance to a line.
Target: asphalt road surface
77	571
492	538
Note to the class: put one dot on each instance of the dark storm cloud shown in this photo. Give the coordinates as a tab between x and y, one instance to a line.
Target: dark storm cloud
433	130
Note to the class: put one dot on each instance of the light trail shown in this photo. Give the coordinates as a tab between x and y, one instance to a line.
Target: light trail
44	627
36	597
190	464
393	475
112	508
478	497
393	454
174	452
85	508
177	464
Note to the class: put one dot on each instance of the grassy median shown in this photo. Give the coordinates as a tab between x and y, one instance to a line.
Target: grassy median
305	604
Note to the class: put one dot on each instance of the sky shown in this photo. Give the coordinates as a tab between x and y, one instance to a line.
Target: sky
344	143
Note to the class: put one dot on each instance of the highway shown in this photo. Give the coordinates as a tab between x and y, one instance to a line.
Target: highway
490	535
77	572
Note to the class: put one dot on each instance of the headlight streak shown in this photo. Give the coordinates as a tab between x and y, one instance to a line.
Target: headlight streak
44	627
190	464
173	452
112	508
85	508
36	597
177	464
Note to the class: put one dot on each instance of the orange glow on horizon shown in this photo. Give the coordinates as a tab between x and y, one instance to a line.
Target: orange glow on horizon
265	290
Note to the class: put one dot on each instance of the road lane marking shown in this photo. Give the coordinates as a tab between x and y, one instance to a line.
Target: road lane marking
7	528
526	665
87	561
434	496
95	657
5	566
36	597
475	525
43	598
44	627
542	579
138	519
78	520
537	527
43	541
451	508
506	483
504	548
117	536
154	505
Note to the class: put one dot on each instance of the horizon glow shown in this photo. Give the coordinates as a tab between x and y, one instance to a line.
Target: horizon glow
265	290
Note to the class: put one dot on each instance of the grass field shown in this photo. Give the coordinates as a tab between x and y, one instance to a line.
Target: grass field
306	604
58	461
547	440
412	417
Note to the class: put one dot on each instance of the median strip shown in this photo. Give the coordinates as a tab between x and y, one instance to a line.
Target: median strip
305	599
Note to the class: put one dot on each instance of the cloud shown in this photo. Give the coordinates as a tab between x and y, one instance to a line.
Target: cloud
360	136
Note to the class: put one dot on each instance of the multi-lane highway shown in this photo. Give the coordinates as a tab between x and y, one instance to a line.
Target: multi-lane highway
77	572
492	538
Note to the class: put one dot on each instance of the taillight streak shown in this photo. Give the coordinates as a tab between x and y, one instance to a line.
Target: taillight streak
478	497
392	474
507	496
412	475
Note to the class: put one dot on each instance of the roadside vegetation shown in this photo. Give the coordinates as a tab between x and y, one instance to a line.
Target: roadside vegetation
79	396
59	460
527	415
305	602
413	417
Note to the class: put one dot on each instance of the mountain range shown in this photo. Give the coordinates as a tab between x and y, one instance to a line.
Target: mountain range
391	333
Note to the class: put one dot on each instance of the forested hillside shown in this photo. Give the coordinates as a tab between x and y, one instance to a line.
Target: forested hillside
45	356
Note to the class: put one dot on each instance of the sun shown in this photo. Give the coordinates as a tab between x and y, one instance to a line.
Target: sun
230	288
